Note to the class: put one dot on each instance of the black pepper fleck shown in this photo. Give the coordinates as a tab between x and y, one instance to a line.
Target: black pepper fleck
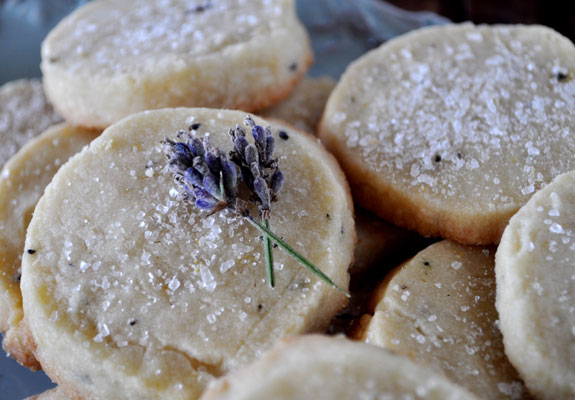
31	251
328	216
403	287
194	127
293	67
459	155
260	307
437	158
133	322
284	135
426	263
562	77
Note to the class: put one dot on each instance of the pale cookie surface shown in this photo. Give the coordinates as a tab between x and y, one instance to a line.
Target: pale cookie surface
24	114
304	106
439	308
320	367
22	182
133	293
535	271
110	59
449	130
54	394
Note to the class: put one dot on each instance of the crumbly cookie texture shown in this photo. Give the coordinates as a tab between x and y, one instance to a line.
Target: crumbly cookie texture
110	59
320	367
449	130
133	293
535	271
439	309
24	114
22	182
304	106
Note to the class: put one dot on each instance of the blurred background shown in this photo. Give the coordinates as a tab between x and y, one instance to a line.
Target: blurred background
559	15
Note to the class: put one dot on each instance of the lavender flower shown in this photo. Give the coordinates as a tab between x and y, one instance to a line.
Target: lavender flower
205	173
211	179
258	169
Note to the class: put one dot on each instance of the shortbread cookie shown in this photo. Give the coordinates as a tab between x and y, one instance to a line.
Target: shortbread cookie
24	114
535	271
304	106
131	292
110	59
22	182
319	367
439	309
449	130
54	394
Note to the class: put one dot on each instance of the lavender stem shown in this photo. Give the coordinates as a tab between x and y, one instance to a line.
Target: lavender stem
298	257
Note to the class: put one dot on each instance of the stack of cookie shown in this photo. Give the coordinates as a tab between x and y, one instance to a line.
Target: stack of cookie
128	283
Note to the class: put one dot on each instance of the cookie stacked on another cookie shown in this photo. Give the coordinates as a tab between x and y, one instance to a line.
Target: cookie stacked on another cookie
22	182
449	130
109	59
131	292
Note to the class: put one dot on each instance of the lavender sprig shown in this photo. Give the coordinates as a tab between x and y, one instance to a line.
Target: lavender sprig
212	180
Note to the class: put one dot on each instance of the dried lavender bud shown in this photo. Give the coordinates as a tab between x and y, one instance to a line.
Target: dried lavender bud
205	200
260	137
249	122
196	147
240	144
277	181
251	155
230	178
214	163
212	186
193	176
240	132
270	146
262	190
201	165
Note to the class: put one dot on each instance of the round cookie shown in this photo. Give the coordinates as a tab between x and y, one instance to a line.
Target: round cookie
110	59
321	367
24	114
449	130
22	182
439	309
535	271
304	106
54	394
134	293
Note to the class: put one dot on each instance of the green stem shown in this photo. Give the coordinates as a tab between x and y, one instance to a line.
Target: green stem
269	256
301	259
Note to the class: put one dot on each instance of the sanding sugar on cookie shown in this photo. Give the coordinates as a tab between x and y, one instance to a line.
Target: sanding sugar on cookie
22	182
24	114
439	309
110	59
136	290
449	130
535	272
